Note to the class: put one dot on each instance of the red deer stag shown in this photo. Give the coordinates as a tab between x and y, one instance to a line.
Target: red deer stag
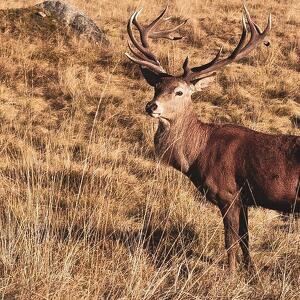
236	167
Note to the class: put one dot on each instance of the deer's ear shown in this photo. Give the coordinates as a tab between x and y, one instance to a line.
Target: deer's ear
201	83
151	77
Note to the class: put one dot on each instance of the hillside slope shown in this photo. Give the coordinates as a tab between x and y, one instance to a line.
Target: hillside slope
86	211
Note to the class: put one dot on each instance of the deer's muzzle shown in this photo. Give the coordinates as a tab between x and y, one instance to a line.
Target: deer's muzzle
151	107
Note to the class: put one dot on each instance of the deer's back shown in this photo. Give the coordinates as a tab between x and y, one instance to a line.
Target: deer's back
266	167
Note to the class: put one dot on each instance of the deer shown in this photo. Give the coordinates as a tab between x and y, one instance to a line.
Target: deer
235	167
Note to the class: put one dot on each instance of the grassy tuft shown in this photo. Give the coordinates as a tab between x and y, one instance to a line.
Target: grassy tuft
86	212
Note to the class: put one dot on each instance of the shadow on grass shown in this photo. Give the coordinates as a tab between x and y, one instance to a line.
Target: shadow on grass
163	245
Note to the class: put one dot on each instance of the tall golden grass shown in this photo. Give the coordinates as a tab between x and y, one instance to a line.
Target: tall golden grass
86	212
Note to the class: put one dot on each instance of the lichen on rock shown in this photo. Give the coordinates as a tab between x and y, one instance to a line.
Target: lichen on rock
73	17
43	19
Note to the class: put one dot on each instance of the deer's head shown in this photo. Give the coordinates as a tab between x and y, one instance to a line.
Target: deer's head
172	93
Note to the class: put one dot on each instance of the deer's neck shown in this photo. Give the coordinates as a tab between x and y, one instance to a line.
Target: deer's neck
180	142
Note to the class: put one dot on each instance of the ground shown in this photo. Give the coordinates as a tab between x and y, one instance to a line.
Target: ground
86	212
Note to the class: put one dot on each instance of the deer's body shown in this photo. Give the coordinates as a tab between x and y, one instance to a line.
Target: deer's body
233	166
233	162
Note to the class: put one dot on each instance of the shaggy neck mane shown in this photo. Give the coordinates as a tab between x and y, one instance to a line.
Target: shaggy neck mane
178	143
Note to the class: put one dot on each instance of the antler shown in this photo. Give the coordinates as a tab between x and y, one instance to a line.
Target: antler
239	52
142	54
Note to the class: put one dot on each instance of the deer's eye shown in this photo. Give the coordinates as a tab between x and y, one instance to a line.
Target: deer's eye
179	93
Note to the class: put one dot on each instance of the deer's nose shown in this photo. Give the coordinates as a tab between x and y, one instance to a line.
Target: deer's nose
151	107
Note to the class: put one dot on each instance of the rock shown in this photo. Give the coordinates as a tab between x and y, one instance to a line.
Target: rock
73	18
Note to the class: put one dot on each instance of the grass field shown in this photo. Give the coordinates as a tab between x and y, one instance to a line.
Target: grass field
86	212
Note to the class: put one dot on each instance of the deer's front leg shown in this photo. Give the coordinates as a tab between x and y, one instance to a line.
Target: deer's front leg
231	220
244	236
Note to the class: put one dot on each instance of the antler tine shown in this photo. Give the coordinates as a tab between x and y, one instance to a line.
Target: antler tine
141	51
240	51
144	63
151	26
256	35
135	21
211	63
147	31
141	48
266	42
138	54
257	28
186	69
249	20
239	46
167	34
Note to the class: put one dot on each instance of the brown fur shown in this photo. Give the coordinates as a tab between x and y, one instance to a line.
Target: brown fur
235	167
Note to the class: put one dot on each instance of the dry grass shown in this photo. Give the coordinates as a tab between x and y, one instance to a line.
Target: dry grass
86	213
